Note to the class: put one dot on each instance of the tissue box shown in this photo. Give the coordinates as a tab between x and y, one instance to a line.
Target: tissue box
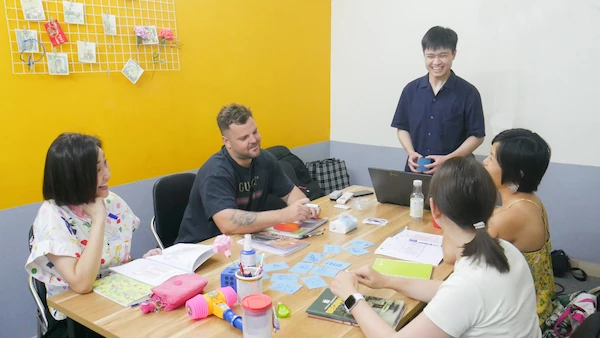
344	224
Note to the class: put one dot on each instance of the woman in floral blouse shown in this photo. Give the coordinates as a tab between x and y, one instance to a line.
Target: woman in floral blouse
82	228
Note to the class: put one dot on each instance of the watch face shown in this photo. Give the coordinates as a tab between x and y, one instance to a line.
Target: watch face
350	301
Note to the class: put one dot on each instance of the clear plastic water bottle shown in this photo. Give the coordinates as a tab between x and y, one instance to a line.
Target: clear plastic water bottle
417	200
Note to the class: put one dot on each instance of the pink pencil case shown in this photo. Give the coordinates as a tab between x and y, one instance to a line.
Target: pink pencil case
177	290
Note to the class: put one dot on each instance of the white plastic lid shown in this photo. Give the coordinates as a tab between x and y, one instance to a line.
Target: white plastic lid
417	183
247	242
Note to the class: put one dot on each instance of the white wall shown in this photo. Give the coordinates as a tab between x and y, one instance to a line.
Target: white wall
536	64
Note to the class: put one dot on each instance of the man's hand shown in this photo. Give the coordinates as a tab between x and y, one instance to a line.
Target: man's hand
412	161
297	211
437	161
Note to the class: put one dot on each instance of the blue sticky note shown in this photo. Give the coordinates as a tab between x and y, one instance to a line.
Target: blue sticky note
265	276
314	282
335	264
288	288
332	249
314	257
275	266
284	278
357	251
361	243
302	267
323	271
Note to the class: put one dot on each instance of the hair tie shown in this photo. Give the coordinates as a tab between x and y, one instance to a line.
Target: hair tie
479	225
30	62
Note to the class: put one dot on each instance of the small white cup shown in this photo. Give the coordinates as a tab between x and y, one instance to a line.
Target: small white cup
248	285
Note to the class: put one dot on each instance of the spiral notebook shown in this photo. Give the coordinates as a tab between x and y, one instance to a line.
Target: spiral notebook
394	268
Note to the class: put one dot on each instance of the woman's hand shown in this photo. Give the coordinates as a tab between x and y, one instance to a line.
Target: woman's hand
152	252
344	284
96	209
369	277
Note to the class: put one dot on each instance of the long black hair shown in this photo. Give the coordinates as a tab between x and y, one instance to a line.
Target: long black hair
464	192
70	173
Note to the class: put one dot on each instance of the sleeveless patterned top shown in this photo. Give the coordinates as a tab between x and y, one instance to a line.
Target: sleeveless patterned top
540	264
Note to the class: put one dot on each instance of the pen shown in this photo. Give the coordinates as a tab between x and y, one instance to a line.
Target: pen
313	234
242	269
139	303
113	216
420	242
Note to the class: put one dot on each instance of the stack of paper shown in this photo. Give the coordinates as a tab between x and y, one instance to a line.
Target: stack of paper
413	246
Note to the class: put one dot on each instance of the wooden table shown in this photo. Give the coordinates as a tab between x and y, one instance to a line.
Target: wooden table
112	320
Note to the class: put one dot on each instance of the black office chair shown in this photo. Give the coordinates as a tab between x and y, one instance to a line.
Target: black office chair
274	202
170	197
38	292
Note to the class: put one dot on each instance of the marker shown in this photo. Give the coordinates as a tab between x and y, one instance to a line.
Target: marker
113	216
275	320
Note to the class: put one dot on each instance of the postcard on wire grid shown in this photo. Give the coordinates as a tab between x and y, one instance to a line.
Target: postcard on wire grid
132	71
26	41
74	13
33	10
58	63
86	51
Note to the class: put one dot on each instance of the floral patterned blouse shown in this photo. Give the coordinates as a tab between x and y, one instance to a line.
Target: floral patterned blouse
64	231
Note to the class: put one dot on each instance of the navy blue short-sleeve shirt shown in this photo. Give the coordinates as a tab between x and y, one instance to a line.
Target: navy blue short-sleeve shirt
439	124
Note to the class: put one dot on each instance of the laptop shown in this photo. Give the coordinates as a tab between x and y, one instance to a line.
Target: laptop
395	187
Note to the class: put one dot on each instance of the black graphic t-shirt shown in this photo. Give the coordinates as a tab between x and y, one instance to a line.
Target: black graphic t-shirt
222	184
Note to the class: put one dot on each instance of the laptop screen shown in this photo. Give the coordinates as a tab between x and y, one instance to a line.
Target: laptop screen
395	186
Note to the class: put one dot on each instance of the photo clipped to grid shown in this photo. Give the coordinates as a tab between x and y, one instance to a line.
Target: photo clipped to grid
99	36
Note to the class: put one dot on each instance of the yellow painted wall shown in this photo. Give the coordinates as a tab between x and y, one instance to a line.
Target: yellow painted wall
272	55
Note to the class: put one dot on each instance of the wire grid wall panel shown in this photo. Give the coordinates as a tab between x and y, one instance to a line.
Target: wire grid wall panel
112	51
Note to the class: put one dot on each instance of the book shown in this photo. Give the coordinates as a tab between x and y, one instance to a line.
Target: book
122	289
305	228
394	268
330	307
175	260
276	244
413	246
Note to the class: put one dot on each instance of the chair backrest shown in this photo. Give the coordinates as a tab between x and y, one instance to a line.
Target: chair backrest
170	197
303	180
273	202
590	328
38	292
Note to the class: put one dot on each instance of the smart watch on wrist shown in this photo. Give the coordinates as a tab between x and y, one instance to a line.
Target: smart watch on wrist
352	300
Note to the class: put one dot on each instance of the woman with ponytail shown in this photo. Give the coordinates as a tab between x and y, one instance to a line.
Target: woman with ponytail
491	292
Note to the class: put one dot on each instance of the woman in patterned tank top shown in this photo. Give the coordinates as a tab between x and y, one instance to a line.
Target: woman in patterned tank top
517	162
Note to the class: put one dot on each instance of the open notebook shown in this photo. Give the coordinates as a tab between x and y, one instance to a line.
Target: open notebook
175	260
305	228
394	268
276	244
122	290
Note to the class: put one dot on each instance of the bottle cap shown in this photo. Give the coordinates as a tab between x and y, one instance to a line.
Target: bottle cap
417	183
247	242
